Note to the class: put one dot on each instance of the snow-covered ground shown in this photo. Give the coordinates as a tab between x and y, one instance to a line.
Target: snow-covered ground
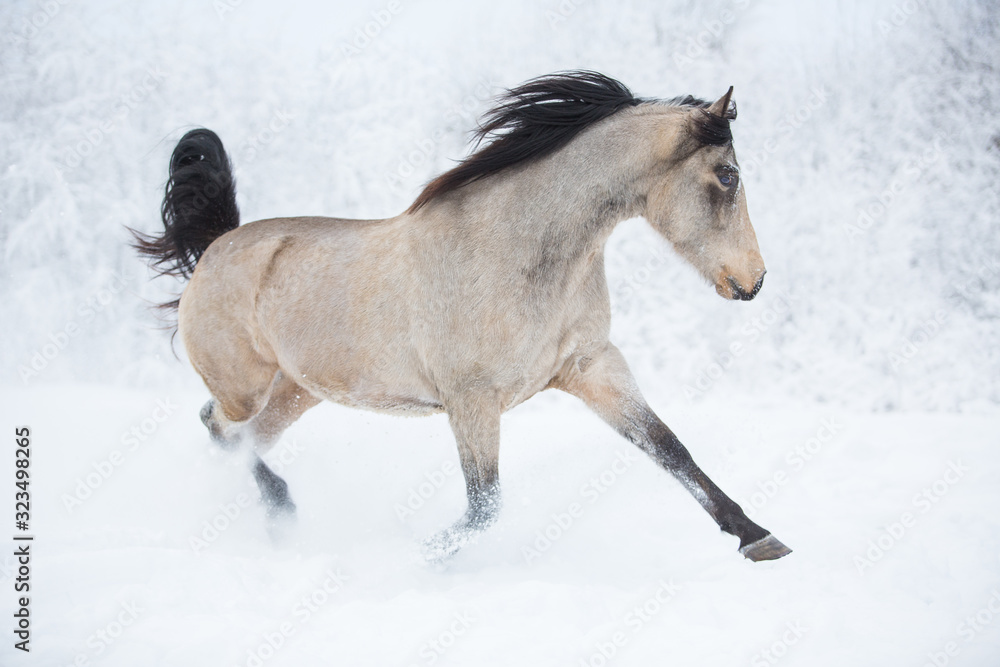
858	422
891	516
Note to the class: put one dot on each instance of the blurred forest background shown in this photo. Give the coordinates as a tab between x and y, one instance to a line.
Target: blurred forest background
868	134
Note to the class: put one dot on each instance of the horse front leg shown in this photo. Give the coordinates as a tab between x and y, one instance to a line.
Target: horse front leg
476	425
605	383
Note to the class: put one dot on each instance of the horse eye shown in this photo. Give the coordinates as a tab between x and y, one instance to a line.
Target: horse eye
727	179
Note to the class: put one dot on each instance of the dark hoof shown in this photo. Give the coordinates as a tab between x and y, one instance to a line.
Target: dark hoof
766	548
206	413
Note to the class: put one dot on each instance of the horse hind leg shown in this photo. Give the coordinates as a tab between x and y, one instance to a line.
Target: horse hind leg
287	402
251	397
255	401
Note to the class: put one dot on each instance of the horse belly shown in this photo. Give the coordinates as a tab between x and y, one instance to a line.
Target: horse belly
360	378
388	403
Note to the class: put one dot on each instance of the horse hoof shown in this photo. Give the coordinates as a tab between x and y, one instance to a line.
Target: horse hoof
439	549
206	413
766	548
281	511
214	431
281	520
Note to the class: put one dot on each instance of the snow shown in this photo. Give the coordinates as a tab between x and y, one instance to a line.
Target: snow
636	535
852	408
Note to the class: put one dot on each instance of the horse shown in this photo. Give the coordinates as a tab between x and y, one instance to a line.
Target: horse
488	289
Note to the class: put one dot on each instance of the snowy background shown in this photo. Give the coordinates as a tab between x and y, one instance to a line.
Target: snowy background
859	422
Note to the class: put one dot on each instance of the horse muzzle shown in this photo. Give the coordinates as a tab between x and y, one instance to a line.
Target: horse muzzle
737	292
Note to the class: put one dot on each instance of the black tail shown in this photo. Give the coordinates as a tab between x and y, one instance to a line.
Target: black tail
199	205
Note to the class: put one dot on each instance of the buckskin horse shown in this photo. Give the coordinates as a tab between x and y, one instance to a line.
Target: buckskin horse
489	288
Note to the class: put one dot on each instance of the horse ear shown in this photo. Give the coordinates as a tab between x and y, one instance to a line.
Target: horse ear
721	108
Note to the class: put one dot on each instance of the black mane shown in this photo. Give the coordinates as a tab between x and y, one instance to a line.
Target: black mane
541	116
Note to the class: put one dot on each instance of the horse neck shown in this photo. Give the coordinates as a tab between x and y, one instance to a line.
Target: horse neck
547	220
576	196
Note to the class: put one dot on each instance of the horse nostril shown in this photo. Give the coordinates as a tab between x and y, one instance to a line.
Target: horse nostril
740	293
